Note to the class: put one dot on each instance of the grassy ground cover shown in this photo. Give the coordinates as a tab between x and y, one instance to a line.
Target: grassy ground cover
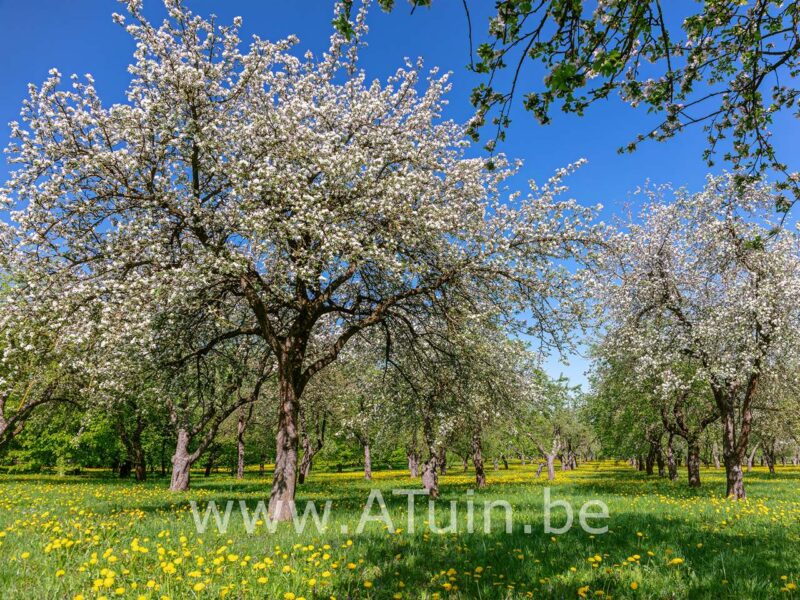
92	536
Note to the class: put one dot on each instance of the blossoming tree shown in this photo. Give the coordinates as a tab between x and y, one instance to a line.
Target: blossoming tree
319	201
703	290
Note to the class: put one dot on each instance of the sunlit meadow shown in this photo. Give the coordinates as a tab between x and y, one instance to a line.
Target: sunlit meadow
90	536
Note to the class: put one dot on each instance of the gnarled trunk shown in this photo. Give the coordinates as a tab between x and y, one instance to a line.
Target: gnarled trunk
442	460
477	460
430	476
731	457
715	455
284	481
181	463
734	443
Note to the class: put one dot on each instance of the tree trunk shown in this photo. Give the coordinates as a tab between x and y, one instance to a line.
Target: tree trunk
477	460
241	424
465	463
413	463
693	464
539	470
139	462
731	455
181	463
505	461
367	463
551	466
125	468
640	463
660	462
769	457
496	464
442	460
715	455
307	460
281	500
430	477
209	464
650	460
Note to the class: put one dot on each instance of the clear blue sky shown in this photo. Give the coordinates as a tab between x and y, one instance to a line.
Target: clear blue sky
79	36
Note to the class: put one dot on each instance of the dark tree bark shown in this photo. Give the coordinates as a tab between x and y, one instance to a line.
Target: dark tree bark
212	454
505	461
678	425
650	460
310	450
132	441
769	456
733	447
284	481
693	463
442	460
477	459
430	468
736	423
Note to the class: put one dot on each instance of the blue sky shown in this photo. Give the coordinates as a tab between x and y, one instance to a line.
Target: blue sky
79	37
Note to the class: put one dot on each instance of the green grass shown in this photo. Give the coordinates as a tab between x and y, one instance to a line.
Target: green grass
63	537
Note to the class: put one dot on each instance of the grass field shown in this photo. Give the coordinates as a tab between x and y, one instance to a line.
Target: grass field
93	536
